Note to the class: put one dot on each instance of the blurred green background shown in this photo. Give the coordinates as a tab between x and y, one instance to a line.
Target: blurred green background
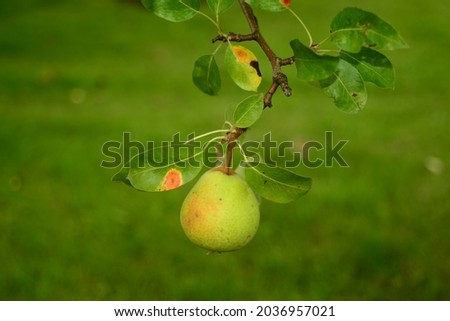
75	74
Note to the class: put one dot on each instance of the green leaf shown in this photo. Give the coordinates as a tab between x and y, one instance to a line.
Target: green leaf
353	28
249	111
160	169
311	66
373	66
350	39
270	5
243	67
276	184
173	10
346	87
121	176
206	75
219	6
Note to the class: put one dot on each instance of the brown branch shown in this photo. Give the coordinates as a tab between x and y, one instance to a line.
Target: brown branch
268	96
279	79
287	61
234	37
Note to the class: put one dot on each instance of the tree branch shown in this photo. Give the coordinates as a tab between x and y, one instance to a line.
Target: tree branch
234	37
279	79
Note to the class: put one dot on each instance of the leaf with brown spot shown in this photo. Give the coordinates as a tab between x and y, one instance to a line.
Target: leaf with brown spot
242	66
286	3
255	65
172	180
159	170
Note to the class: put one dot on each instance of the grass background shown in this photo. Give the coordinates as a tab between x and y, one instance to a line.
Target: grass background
75	74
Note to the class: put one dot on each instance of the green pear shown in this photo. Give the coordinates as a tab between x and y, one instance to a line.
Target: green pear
221	212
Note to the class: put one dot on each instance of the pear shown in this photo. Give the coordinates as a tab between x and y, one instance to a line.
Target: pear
221	212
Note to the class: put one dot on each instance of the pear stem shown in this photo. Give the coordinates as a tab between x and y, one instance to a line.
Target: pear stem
229	159
231	139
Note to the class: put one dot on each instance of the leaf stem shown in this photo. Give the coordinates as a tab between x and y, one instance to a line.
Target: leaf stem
303	25
242	152
323	41
217	49
212	140
215	23
208	134
228	124
210	19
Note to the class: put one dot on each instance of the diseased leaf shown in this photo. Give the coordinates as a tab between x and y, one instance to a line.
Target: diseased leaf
311	66
270	5
276	184
373	66
219	6
206	75
243	67
346	87
161	169
248	111
286	3
353	28
173	10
